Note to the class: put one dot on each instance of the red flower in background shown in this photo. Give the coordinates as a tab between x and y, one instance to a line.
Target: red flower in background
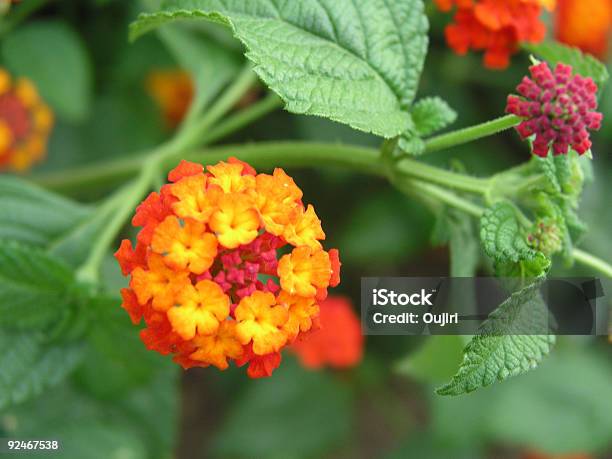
495	26
337	342
585	24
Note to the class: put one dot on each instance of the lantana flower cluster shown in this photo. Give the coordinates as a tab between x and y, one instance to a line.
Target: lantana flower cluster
495	26
25	123
228	266
558	109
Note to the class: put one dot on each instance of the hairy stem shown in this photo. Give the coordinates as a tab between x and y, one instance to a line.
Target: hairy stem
469	134
592	261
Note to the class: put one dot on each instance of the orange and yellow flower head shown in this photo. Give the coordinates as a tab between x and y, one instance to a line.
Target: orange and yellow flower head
25	123
228	266
495	26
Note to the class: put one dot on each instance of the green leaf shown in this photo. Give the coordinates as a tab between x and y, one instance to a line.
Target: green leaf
126	365
63	75
498	352
34	288
435	361
432	114
560	409
584	64
29	365
279	417
211	65
501	235
411	142
354	62
24	206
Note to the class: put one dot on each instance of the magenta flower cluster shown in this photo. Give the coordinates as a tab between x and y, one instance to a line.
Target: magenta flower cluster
242	267
557	108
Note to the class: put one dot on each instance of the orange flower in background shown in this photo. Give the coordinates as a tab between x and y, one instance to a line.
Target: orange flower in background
25	123
585	24
207	275
337	342
173	91
495	26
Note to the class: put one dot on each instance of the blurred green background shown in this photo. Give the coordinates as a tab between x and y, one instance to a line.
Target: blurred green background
124	402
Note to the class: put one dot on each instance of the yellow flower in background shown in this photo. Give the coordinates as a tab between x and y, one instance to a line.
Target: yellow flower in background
25	123
173	92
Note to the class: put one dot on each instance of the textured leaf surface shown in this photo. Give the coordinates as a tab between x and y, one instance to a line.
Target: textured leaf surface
584	64
354	61
497	352
26	53
29	365
432	114
501	235
23	208
34	288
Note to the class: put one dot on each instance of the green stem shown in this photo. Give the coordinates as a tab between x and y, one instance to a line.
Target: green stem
426	191
592	261
471	133
88	272
194	133
184	140
114	171
244	117
420	170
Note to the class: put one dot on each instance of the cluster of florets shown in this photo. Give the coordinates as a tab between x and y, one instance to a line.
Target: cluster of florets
25	123
558	108
546	237
207	273
495	26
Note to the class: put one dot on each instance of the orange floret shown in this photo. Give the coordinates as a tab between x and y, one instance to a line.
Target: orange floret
186	246
194	200
260	320
236	220
304	271
277	199
215	349
199	309
159	283
184	169
305	230
302	312
230	178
